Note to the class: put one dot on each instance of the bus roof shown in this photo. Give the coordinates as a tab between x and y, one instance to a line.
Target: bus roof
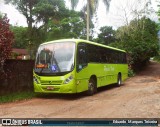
81	40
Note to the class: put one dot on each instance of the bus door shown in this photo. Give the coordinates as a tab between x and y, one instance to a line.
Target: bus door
81	68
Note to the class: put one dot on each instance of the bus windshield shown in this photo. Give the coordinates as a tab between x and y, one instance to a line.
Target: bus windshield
55	58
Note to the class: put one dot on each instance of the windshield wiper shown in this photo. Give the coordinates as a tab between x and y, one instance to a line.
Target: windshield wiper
41	70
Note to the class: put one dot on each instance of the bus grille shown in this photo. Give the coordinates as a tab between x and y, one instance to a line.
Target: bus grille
58	82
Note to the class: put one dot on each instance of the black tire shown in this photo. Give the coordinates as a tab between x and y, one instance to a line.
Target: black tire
119	80
92	87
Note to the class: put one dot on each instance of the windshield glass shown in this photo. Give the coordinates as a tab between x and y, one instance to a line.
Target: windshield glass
55	58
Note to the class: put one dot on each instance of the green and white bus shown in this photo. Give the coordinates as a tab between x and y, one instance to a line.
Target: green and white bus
75	65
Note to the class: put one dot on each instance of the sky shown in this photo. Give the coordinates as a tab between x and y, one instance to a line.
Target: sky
119	13
14	16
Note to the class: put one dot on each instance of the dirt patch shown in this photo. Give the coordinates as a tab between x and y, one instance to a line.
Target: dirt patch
146	81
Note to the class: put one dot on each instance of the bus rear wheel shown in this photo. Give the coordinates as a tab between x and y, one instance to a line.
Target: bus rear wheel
119	80
92	88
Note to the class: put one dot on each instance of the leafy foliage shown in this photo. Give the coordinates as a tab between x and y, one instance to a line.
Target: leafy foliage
6	40
19	36
139	39
93	5
49	9
131	73
72	26
38	14
39	10
107	35
25	7
90	8
157	57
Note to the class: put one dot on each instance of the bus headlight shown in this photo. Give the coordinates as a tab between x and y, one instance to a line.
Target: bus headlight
70	78
35	80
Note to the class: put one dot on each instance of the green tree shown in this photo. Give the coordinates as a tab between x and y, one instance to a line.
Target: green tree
19	36
71	26
49	9
38	13
107	35
26	8
139	39
91	7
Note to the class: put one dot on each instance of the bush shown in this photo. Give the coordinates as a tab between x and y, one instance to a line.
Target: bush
131	73
6	40
140	41
157	58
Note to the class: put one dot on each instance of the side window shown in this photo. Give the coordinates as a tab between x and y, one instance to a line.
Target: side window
103	56
92	53
124	58
81	56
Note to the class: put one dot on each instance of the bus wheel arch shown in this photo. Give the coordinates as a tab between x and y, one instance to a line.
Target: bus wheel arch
119	79
92	85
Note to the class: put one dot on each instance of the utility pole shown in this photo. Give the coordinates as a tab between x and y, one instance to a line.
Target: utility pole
88	15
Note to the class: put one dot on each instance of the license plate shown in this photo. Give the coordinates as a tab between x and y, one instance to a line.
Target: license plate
50	87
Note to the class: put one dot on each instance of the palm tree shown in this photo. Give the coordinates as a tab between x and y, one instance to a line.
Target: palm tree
92	6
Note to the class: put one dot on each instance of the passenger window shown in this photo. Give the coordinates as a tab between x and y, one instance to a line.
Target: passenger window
81	57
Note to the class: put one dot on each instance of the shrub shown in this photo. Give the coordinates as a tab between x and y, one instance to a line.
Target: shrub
131	73
6	40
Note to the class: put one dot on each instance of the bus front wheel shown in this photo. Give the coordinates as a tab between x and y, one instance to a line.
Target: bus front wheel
119	81
92	88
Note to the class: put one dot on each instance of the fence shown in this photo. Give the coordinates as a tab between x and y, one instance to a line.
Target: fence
17	76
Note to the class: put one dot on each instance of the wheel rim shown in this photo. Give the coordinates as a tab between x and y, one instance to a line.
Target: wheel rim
119	80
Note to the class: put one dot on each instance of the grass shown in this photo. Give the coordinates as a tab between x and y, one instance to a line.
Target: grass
17	96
